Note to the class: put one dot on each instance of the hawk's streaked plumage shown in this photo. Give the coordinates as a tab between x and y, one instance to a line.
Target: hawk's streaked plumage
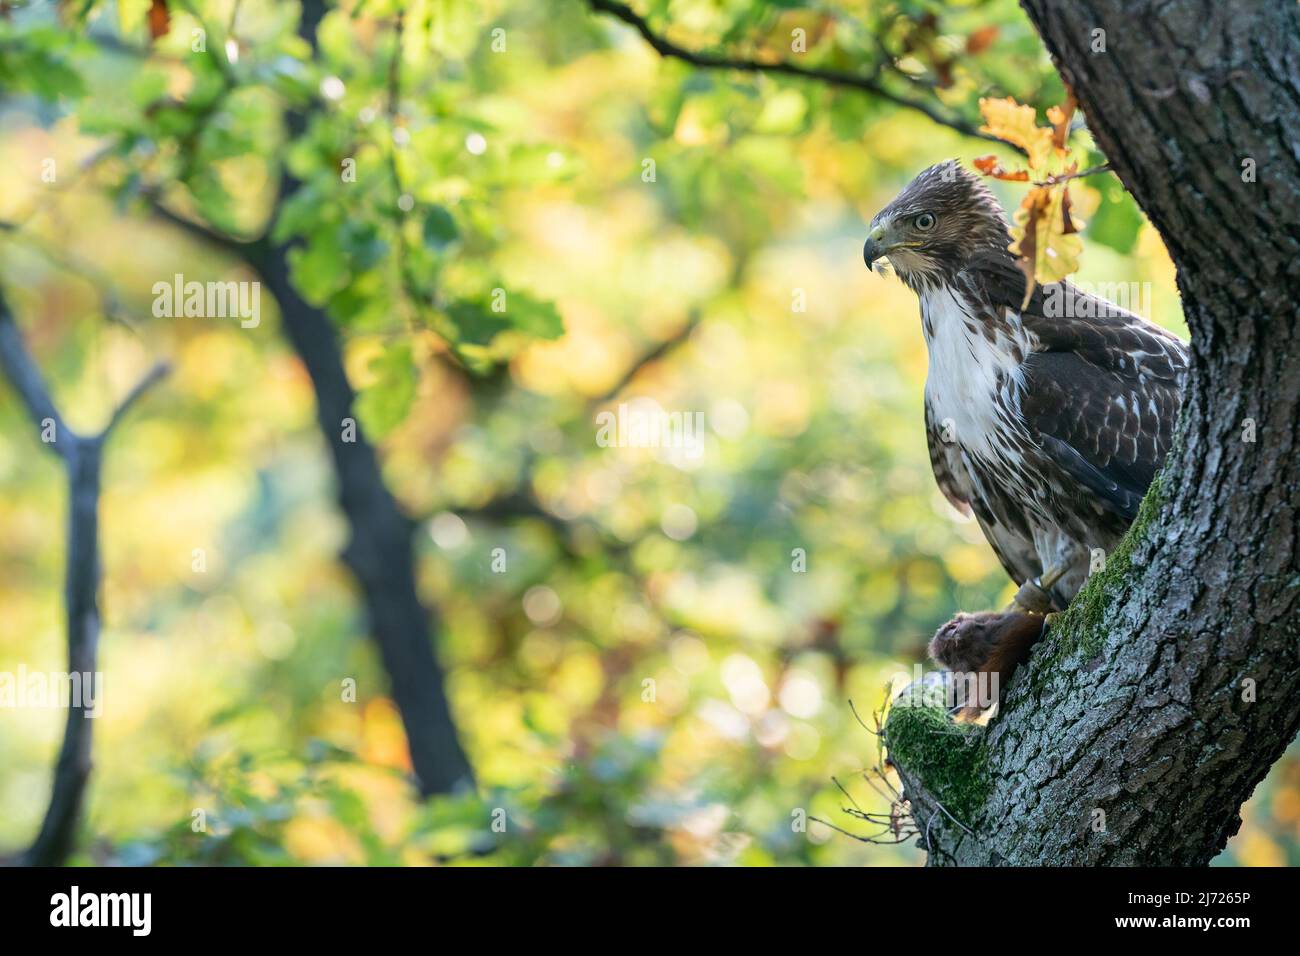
1047	422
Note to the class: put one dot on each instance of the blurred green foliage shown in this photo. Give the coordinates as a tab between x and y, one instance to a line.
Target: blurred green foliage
661	673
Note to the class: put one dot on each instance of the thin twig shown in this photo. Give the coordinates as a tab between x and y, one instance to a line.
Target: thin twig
891	795
66	185
875	840
861	722
1066	177
196	229
156	374
965	829
847	795
713	61
654	354
63	258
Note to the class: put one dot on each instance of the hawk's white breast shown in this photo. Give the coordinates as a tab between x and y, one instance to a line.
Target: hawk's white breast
973	383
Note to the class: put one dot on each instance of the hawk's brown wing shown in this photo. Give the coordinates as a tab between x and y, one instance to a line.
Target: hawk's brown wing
1103	389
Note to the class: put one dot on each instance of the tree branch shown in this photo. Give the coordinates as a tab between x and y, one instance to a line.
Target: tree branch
64	259
155	375
379	552
26	379
1066	177
655	353
82	458
193	228
862	84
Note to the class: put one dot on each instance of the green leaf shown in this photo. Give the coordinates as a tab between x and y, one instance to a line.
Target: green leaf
783	113
384	404
36	60
1117	220
440	228
536	317
365	304
148	86
477	323
302	213
320	268
362	245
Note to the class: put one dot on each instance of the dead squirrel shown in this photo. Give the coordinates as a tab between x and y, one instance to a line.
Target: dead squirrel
983	650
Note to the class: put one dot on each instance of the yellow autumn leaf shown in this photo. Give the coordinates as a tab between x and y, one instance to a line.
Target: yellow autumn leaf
1046	252
1058	257
1017	124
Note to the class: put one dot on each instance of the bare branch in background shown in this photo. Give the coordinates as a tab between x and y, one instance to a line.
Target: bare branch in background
380	552
193	227
61	257
26	379
82	456
657	352
852	81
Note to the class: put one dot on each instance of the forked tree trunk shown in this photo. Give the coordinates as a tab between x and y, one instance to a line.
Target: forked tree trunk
1163	696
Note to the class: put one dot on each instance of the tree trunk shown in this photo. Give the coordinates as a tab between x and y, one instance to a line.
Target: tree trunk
58	830
1161	698
379	551
82	457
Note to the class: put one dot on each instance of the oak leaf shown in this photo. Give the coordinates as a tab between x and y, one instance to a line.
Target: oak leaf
1045	251
1008	120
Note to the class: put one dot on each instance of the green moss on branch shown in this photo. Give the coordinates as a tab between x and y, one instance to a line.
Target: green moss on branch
1078	630
950	760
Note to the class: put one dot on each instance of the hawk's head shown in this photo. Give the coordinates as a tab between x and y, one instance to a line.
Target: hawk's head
932	229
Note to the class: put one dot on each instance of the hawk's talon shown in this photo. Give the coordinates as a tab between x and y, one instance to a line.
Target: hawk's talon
1032	599
1049	577
1034	596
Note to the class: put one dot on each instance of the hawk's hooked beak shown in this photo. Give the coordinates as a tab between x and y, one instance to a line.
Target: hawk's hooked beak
875	247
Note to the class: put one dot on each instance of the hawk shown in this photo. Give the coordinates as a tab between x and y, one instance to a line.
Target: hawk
1046	422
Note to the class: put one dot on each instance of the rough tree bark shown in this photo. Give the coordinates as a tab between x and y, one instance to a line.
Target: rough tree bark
1164	694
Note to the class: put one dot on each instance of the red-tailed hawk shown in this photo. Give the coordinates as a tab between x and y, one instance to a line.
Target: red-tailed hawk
1047	422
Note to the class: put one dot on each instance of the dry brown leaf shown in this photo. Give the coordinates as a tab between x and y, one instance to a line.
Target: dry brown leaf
990	165
1059	117
159	19
1067	224
981	39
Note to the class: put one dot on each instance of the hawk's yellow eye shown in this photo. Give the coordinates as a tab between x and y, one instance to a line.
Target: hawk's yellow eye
924	222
